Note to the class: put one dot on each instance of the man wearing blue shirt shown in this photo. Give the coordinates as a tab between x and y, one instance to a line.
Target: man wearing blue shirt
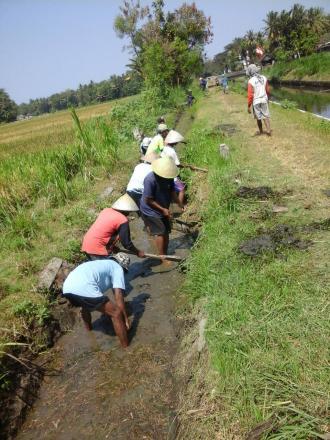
86	285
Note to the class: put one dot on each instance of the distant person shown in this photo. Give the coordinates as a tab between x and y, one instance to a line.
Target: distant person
224	83
258	93
161	120
144	145
86	285
110	228
157	142
158	193
202	83
190	98
135	185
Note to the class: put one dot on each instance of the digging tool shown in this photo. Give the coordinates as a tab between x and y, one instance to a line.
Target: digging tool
194	168
158	257
165	257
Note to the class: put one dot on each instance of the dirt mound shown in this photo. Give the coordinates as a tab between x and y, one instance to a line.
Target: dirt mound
259	192
278	238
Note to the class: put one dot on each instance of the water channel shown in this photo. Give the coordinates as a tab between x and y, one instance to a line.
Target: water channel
314	101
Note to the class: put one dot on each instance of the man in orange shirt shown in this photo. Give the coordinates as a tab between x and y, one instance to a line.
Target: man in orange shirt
110	227
258	94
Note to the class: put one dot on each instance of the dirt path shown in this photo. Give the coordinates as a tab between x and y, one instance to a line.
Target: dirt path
101	391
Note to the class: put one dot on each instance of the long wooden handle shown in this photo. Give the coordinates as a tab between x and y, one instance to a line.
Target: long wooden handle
194	168
164	257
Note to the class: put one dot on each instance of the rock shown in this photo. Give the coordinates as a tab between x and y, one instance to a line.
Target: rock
106	193
201	338
48	275
224	151
278	209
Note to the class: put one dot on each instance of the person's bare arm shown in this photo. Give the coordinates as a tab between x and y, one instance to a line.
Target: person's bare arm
154	205
176	200
118	293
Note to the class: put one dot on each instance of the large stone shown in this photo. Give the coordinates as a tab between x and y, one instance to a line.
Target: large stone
47	276
106	193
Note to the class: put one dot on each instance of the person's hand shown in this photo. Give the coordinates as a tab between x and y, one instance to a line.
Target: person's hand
127	324
167	213
141	254
249	109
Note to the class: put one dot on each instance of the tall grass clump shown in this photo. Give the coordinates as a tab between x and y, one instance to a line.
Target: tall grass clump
316	66
267	331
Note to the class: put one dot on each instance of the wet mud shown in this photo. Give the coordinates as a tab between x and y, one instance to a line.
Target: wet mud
274	240
259	192
101	391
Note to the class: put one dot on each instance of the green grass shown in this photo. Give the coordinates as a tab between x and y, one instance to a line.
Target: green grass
268	331
314	67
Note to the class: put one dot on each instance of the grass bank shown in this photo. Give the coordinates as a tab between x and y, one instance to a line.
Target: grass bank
315	67
265	372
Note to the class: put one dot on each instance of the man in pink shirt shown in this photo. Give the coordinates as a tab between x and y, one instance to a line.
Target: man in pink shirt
110	227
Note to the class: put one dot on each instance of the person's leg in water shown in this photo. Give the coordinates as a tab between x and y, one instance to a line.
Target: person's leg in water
87	318
162	243
181	197
117	318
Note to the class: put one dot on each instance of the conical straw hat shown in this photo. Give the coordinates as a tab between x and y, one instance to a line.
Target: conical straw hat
173	137
150	157
165	167
125	203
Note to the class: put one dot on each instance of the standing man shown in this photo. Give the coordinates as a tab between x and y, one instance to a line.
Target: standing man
111	226
258	94
157	196
157	142
86	285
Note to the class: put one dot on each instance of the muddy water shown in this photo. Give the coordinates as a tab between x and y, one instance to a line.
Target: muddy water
103	392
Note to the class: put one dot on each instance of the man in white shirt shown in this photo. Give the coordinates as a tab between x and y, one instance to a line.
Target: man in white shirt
135	185
258	93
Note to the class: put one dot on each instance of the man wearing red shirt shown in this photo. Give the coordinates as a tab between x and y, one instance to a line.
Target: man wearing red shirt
110	227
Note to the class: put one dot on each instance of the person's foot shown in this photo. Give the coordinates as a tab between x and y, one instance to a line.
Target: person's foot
268	133
258	133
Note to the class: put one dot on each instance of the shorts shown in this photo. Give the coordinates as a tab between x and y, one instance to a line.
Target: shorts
261	111
157	225
85	302
178	185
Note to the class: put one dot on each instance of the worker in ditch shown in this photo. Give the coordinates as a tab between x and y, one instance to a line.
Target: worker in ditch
110	228
157	142
135	185
258	94
171	141
86	285
158	193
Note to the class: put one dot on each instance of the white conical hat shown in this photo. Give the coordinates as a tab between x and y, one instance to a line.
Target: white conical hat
173	137
125	203
165	167
150	157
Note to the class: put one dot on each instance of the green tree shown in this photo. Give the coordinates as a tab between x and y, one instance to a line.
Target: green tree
8	108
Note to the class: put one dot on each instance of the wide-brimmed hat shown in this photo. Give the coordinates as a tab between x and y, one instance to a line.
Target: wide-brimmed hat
165	167
252	69
125	203
173	137
161	128
150	157
122	259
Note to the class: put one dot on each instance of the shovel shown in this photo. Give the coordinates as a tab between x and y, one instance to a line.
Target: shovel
158	257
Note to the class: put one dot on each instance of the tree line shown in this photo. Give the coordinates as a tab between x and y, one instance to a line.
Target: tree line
287	34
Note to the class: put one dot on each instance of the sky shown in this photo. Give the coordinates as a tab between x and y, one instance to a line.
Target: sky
48	46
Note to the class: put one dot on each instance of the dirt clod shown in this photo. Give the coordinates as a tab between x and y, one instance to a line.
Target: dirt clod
259	192
279	237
